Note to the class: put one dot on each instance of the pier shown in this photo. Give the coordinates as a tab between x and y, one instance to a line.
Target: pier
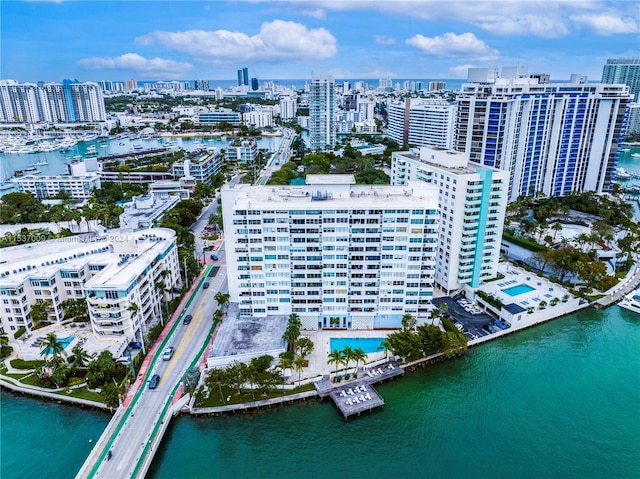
357	396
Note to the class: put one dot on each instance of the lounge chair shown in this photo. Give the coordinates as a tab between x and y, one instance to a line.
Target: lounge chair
369	374
362	398
391	366
356	400
343	394
367	396
380	371
350	391
348	402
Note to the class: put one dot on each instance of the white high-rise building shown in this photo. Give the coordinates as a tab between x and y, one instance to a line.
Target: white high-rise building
111	275
322	113
472	204
66	102
554	138
19	103
365	108
422	122
288	108
336	254
626	71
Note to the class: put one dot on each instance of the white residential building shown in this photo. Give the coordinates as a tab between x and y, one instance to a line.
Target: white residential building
336	254
422	122
42	187
554	138
245	152
258	118
322	113
111	274
472	201
288	108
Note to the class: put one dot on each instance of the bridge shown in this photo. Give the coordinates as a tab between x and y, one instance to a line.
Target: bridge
135	431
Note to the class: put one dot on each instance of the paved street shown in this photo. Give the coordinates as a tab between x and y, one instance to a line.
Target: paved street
130	438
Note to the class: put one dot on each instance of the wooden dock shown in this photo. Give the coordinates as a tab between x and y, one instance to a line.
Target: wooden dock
358	395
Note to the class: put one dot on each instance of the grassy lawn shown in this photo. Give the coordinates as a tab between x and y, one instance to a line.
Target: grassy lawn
245	396
82	393
22	364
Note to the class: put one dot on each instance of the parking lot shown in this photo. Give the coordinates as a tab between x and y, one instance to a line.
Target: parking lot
474	320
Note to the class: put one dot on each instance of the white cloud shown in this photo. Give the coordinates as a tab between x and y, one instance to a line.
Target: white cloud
546	19
459	71
606	24
318	13
382	40
277	40
137	63
464	45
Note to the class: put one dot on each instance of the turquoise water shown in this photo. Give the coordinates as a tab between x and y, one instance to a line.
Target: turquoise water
368	345
63	341
560	400
518	289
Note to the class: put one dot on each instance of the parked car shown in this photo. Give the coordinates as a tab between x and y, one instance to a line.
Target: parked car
214	257
205	285
168	354
187	319
154	381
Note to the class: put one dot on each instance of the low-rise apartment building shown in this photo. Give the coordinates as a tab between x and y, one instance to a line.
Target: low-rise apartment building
113	274
42	187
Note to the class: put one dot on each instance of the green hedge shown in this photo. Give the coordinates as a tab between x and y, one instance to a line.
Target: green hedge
23	364
523	242
21	330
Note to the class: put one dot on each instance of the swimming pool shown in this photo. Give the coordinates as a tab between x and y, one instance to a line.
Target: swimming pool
368	345
518	289
64	341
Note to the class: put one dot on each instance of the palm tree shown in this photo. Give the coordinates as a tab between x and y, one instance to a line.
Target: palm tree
336	357
222	298
40	311
79	357
408	321
359	355
284	363
385	345
298	365
53	347
556	227
348	355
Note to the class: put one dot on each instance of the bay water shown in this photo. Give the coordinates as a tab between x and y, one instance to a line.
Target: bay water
558	400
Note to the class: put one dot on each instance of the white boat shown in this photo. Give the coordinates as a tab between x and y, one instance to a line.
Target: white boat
631	302
31	170
6	186
40	163
635	155
137	147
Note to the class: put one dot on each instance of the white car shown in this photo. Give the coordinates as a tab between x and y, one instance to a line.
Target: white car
168	354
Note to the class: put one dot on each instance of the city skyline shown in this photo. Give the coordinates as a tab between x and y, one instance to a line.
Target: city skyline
51	40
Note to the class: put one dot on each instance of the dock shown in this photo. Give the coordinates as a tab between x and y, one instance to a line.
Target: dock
356	396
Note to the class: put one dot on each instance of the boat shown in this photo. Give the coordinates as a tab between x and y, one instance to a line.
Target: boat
625	149
622	174
32	170
40	163
137	147
6	186
635	155
103	146
631	302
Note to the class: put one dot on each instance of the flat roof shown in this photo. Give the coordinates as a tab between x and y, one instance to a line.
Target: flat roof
330	180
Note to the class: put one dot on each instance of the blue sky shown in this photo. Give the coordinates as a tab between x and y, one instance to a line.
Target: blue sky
352	39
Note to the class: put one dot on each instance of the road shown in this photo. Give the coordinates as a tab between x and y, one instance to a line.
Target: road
280	157
134	437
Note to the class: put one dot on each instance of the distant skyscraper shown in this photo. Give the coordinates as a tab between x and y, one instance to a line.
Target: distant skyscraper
556	138
65	102
422	122
243	77
624	70
288	108
130	85
322	114
254	84
436	85
202	85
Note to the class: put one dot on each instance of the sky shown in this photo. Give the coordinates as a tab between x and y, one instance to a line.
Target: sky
51	40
